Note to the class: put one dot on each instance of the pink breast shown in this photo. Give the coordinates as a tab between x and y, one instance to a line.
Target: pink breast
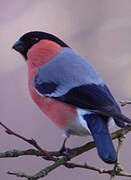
38	55
60	113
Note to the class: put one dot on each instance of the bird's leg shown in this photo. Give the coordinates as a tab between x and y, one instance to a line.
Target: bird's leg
63	149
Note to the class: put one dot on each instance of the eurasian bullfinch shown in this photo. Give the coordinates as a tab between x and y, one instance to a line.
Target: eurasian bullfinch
67	88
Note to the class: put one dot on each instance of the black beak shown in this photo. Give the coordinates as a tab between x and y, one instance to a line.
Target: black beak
19	46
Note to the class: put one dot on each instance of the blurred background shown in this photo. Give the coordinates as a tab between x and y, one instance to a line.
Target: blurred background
98	30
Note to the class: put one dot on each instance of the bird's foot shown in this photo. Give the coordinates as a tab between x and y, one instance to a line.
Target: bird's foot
64	151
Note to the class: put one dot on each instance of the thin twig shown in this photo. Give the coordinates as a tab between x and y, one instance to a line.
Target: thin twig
120	143
64	160
119	132
75	152
30	141
101	171
20	174
88	146
44	172
118	168
85	166
123	103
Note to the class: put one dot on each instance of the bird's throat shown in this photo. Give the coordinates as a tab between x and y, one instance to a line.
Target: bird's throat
42	52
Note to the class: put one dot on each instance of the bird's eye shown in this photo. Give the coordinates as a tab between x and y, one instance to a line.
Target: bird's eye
35	39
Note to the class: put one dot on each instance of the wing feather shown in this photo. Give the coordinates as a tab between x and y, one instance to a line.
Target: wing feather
71	79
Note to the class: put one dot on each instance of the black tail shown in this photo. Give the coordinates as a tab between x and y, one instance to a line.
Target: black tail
122	117
99	130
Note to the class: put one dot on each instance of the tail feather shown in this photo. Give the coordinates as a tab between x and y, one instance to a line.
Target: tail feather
99	130
122	117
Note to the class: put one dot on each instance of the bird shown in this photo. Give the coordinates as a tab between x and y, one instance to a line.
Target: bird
68	89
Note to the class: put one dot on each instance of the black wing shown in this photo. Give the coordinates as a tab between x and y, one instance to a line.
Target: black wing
96	98
93	97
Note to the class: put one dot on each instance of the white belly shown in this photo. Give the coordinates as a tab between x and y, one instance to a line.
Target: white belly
79	126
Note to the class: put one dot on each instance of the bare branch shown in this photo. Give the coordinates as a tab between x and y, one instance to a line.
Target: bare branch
120	143
88	146
33	152
123	103
121	132
101	171
43	172
118	168
30	141
20	174
64	160
85	166
16	153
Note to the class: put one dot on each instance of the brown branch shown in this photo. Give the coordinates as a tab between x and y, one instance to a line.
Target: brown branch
120	132
85	166
30	141
33	152
62	161
17	153
44	172
88	146
101	171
